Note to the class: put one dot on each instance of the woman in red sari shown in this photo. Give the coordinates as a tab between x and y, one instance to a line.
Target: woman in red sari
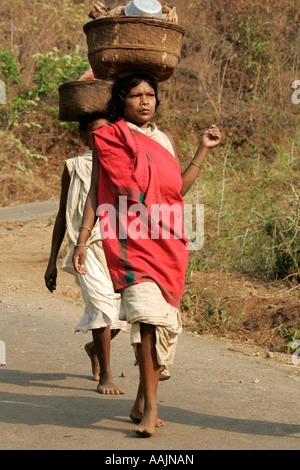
137	190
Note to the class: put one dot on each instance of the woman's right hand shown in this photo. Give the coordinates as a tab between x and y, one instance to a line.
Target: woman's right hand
50	276
79	257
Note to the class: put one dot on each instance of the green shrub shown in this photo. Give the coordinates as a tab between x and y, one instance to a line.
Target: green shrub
9	67
53	70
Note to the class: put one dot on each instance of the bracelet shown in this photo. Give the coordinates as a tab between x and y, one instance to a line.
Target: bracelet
197	164
84	226
80	244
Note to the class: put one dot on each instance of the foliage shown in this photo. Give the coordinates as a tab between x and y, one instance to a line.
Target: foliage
9	67
251	215
286	236
53	70
239	60
54	53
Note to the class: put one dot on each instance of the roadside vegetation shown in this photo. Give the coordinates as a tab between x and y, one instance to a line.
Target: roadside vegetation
239	62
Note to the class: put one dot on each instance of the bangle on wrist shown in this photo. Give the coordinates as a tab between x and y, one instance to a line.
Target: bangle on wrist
80	244
197	164
84	226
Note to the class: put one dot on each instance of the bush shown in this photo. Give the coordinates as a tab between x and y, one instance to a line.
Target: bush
9	67
239	60
53	70
286	237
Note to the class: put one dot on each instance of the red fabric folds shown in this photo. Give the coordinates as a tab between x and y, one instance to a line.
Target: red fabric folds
141	211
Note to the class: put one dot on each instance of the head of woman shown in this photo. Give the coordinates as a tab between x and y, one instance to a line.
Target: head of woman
88	124
133	98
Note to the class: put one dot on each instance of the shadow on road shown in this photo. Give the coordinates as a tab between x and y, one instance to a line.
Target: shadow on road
84	412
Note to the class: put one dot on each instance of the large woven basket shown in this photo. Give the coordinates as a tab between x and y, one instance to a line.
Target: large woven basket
81	98
122	44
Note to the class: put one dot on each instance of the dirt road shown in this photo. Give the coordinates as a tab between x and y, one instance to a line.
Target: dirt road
221	395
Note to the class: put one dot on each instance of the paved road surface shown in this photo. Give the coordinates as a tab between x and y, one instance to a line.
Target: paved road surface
29	211
217	398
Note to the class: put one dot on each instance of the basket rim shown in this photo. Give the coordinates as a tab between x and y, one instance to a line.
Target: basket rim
97	82
128	47
134	19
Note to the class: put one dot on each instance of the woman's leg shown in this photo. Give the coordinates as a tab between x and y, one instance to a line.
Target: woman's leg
149	376
102	339
91	352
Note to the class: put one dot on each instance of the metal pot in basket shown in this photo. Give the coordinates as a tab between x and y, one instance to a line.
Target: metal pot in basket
121	44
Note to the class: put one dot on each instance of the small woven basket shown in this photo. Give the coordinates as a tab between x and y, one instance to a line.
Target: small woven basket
122	44
81	98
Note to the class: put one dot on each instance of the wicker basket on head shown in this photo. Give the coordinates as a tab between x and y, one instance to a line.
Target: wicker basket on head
81	98
126	43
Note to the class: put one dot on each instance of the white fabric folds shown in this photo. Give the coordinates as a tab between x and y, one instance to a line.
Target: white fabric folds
102	304
144	303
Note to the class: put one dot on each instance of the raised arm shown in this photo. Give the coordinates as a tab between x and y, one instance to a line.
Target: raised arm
210	139
89	218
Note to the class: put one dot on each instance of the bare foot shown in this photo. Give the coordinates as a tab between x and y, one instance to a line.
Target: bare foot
136	415
91	352
164	375
149	422
159	423
107	387
145	432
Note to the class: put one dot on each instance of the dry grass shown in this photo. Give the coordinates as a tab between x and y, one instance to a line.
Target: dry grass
239	60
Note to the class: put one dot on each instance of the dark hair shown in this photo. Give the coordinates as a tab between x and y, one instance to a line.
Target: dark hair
84	121
115	106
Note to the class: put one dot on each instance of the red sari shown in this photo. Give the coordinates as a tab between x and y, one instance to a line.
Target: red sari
137	176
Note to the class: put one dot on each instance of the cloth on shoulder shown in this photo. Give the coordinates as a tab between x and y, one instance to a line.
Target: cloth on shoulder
154	133
148	177
101	302
80	170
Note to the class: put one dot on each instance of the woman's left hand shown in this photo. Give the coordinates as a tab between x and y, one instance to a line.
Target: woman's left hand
79	258
211	137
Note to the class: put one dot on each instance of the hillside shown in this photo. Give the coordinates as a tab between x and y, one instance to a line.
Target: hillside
239	61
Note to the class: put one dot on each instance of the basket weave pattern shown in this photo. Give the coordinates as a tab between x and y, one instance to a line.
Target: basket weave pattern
78	99
125	43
